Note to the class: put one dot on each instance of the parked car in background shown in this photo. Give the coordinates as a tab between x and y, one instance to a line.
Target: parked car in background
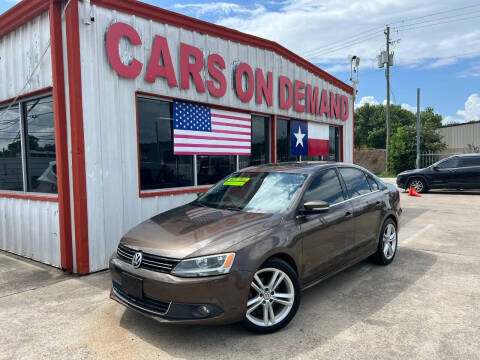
244	249
455	172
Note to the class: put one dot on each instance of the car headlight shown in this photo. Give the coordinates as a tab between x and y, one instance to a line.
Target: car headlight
205	266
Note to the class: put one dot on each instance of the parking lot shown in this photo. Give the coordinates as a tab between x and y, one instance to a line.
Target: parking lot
424	305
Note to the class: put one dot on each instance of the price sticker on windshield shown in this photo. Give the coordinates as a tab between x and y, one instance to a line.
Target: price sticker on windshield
236	181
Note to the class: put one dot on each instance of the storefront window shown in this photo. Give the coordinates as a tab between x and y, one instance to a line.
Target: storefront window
11	174
159	168
34	142
283	141
40	146
260	143
334	147
211	169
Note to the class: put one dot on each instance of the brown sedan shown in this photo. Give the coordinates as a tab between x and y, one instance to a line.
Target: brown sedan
245	249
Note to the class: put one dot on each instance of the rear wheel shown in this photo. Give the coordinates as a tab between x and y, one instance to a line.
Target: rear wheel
418	184
387	244
273	298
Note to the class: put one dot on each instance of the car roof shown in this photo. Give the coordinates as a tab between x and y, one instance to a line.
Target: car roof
298	167
469	155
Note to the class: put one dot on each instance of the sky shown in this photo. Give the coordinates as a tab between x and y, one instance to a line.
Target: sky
436	44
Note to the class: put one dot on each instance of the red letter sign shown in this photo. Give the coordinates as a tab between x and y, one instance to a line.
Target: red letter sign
265	88
324	109
217	74
312	101
187	69
244	68
334	105
299	96
285	83
114	34
160	51
345	109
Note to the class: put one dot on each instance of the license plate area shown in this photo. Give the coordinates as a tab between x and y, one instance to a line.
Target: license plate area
132	285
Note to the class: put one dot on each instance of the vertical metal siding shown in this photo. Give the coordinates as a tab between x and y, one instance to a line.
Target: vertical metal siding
27	227
20	52
110	118
30	228
458	137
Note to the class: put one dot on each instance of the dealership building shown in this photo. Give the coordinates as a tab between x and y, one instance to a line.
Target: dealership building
132	111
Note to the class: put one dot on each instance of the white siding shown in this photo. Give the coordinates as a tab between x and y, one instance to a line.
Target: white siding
20	52
27	227
114	205
458	137
30	228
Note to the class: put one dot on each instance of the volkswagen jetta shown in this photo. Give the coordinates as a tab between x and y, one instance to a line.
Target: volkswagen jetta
244	249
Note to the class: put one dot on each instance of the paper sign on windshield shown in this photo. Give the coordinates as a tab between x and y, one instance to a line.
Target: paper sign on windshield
236	181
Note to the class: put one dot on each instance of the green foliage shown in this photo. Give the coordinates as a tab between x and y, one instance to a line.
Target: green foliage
370	131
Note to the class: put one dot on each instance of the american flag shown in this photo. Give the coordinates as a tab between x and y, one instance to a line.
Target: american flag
201	130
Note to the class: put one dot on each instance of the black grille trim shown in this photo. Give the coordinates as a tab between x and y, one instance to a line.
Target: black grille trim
147	304
150	262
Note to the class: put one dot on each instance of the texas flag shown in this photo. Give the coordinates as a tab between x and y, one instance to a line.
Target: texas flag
308	138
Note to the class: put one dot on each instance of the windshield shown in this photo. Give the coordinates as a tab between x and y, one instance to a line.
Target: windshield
260	192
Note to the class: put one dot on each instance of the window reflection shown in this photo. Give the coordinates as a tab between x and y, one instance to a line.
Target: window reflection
40	145
11	173
260	143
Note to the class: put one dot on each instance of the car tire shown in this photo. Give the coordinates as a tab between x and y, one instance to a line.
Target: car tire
274	277
418	184
387	243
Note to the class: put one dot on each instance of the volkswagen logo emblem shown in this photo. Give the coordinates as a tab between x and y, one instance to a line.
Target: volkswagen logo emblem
137	260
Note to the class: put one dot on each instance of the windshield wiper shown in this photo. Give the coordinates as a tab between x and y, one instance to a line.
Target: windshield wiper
232	209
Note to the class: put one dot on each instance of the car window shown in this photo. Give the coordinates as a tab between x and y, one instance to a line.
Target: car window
356	182
325	187
470	161
373	184
449	163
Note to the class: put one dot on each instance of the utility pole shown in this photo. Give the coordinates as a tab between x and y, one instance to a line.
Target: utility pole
387	72
418	128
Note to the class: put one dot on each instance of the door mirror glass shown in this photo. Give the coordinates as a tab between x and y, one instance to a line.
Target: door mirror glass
316	207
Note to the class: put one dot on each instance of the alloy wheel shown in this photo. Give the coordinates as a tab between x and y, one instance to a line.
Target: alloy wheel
389	241
271	297
417	185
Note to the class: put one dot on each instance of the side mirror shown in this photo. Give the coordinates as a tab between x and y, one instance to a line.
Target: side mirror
316	207
435	168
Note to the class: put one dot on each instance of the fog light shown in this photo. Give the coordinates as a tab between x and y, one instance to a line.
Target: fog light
203	310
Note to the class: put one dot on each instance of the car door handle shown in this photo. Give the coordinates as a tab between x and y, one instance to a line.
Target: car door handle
348	215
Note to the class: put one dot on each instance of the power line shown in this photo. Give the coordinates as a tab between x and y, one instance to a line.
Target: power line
437	19
343	46
437	13
440	23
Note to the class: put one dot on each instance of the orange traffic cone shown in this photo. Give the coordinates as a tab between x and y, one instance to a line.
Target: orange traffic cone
413	192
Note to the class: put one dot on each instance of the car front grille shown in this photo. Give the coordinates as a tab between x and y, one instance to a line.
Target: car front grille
149	261
147	304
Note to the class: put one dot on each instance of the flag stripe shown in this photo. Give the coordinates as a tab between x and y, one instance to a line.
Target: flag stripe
230	132
214	135
214	152
231	117
210	145
231	124
318	147
208	139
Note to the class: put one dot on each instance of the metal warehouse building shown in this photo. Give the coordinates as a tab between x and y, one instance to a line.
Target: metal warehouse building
87	125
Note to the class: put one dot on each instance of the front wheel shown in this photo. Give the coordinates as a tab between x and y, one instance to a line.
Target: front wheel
418	184
387	244
273	298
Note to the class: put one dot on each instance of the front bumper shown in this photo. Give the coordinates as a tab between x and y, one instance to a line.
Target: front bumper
172	299
402	182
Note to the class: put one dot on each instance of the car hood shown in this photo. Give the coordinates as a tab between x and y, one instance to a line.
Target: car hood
410	172
191	230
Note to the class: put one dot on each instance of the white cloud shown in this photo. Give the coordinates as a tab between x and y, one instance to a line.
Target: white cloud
471	111
367	100
372	101
219	8
308	27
